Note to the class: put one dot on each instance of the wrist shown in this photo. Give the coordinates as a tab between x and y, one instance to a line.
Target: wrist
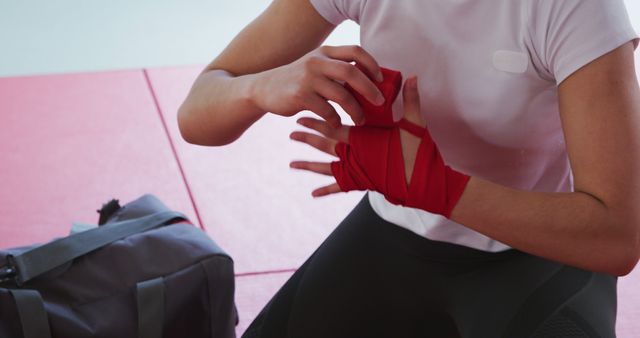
223	108
439	191
250	93
456	198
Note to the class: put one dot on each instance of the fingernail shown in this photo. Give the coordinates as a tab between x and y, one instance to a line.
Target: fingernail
379	77
414	82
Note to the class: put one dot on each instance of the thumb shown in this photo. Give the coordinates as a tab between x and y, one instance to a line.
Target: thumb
411	100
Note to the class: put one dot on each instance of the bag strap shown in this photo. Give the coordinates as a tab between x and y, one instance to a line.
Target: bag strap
33	316
150	300
37	261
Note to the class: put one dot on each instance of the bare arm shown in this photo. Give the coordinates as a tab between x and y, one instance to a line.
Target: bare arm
597	227
256	73
218	108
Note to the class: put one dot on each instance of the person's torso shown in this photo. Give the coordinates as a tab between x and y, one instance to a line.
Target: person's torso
490	111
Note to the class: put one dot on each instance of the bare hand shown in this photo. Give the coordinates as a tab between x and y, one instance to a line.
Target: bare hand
307	84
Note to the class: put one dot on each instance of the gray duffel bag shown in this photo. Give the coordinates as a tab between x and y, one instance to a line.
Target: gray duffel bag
145	272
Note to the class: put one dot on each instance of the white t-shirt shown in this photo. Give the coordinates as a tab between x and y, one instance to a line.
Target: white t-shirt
488	72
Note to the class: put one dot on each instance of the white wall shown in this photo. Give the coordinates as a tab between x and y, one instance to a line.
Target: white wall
57	36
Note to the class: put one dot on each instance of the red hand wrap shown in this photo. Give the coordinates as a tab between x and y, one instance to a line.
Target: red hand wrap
380	116
373	158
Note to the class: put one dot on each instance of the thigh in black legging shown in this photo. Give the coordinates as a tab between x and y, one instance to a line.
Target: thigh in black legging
359	283
529	296
590	313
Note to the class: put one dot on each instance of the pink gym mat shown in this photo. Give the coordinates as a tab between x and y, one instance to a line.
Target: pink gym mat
71	142
253	292
628	323
250	201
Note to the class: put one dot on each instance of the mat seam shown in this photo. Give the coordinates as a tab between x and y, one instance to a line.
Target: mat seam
267	272
173	147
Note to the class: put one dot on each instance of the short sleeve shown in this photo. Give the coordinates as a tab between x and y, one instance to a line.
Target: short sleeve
568	34
337	11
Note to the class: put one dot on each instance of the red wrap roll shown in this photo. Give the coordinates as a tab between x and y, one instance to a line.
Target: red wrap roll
373	160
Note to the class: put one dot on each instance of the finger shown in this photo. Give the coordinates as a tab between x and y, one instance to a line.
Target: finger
357	54
411	101
322	168
340	134
348	73
321	143
333	91
326	190
322	108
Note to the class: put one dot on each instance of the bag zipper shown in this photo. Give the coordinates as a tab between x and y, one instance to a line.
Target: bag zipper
8	273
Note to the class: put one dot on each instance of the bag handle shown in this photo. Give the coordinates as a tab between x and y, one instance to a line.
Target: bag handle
32	263
33	316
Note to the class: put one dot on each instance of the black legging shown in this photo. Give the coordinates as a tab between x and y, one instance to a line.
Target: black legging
371	278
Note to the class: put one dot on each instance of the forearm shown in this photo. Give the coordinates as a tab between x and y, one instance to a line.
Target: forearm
572	228
218	109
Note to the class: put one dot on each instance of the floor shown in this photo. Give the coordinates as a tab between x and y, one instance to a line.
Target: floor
130	64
